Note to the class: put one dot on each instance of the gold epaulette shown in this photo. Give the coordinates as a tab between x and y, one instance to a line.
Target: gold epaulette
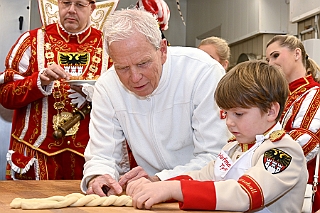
277	135
233	138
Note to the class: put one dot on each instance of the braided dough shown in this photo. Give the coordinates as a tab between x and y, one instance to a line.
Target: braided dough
74	199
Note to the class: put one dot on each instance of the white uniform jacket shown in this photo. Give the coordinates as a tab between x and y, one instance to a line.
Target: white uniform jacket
270	177
178	128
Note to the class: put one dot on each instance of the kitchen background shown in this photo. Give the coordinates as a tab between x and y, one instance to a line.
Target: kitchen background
247	25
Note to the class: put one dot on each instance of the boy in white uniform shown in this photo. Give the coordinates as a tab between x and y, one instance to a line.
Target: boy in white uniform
261	170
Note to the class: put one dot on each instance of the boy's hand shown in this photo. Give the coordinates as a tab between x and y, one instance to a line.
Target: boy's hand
145	193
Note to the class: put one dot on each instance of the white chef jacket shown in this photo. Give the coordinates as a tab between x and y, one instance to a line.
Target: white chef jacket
178	128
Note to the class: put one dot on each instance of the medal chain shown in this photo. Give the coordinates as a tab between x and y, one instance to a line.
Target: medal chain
60	93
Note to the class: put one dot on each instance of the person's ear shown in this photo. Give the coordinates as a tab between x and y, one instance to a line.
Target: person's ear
273	111
297	53
93	7
163	50
225	64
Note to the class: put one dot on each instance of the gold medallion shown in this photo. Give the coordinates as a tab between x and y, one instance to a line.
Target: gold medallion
59	105
93	68
61	118
95	59
47	46
98	50
49	55
56	94
90	76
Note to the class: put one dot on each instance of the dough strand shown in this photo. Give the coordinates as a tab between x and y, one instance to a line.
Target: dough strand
74	199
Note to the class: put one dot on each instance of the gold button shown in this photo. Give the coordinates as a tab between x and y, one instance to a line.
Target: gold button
68	142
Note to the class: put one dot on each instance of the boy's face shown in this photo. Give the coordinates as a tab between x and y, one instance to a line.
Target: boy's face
245	124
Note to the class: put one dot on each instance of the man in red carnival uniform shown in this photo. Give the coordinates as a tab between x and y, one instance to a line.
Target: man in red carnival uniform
33	84
158	8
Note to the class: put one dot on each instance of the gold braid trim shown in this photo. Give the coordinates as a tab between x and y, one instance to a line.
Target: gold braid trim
44	152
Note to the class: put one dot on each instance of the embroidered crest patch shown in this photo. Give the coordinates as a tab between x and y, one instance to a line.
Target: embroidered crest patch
276	160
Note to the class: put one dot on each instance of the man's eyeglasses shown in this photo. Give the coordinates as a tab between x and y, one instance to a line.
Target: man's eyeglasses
78	5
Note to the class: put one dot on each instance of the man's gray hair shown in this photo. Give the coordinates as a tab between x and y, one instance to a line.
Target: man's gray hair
122	24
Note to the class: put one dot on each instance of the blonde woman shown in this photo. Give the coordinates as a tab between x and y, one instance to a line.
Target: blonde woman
217	48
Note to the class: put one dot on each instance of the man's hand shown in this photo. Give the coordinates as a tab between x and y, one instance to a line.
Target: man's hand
95	186
51	73
145	193
135	174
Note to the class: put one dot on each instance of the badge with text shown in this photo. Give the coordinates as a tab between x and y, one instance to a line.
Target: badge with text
222	114
276	160
223	164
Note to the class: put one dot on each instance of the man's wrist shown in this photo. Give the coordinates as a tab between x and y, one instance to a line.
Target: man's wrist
91	180
154	178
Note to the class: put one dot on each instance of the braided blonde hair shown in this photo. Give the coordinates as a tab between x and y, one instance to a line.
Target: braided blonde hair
292	43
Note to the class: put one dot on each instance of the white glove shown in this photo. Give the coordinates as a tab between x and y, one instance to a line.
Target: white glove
88	89
76	98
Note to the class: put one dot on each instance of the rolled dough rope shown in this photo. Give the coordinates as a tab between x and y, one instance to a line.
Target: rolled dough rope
74	199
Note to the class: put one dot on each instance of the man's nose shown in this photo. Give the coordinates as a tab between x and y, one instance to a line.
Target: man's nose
72	7
136	75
